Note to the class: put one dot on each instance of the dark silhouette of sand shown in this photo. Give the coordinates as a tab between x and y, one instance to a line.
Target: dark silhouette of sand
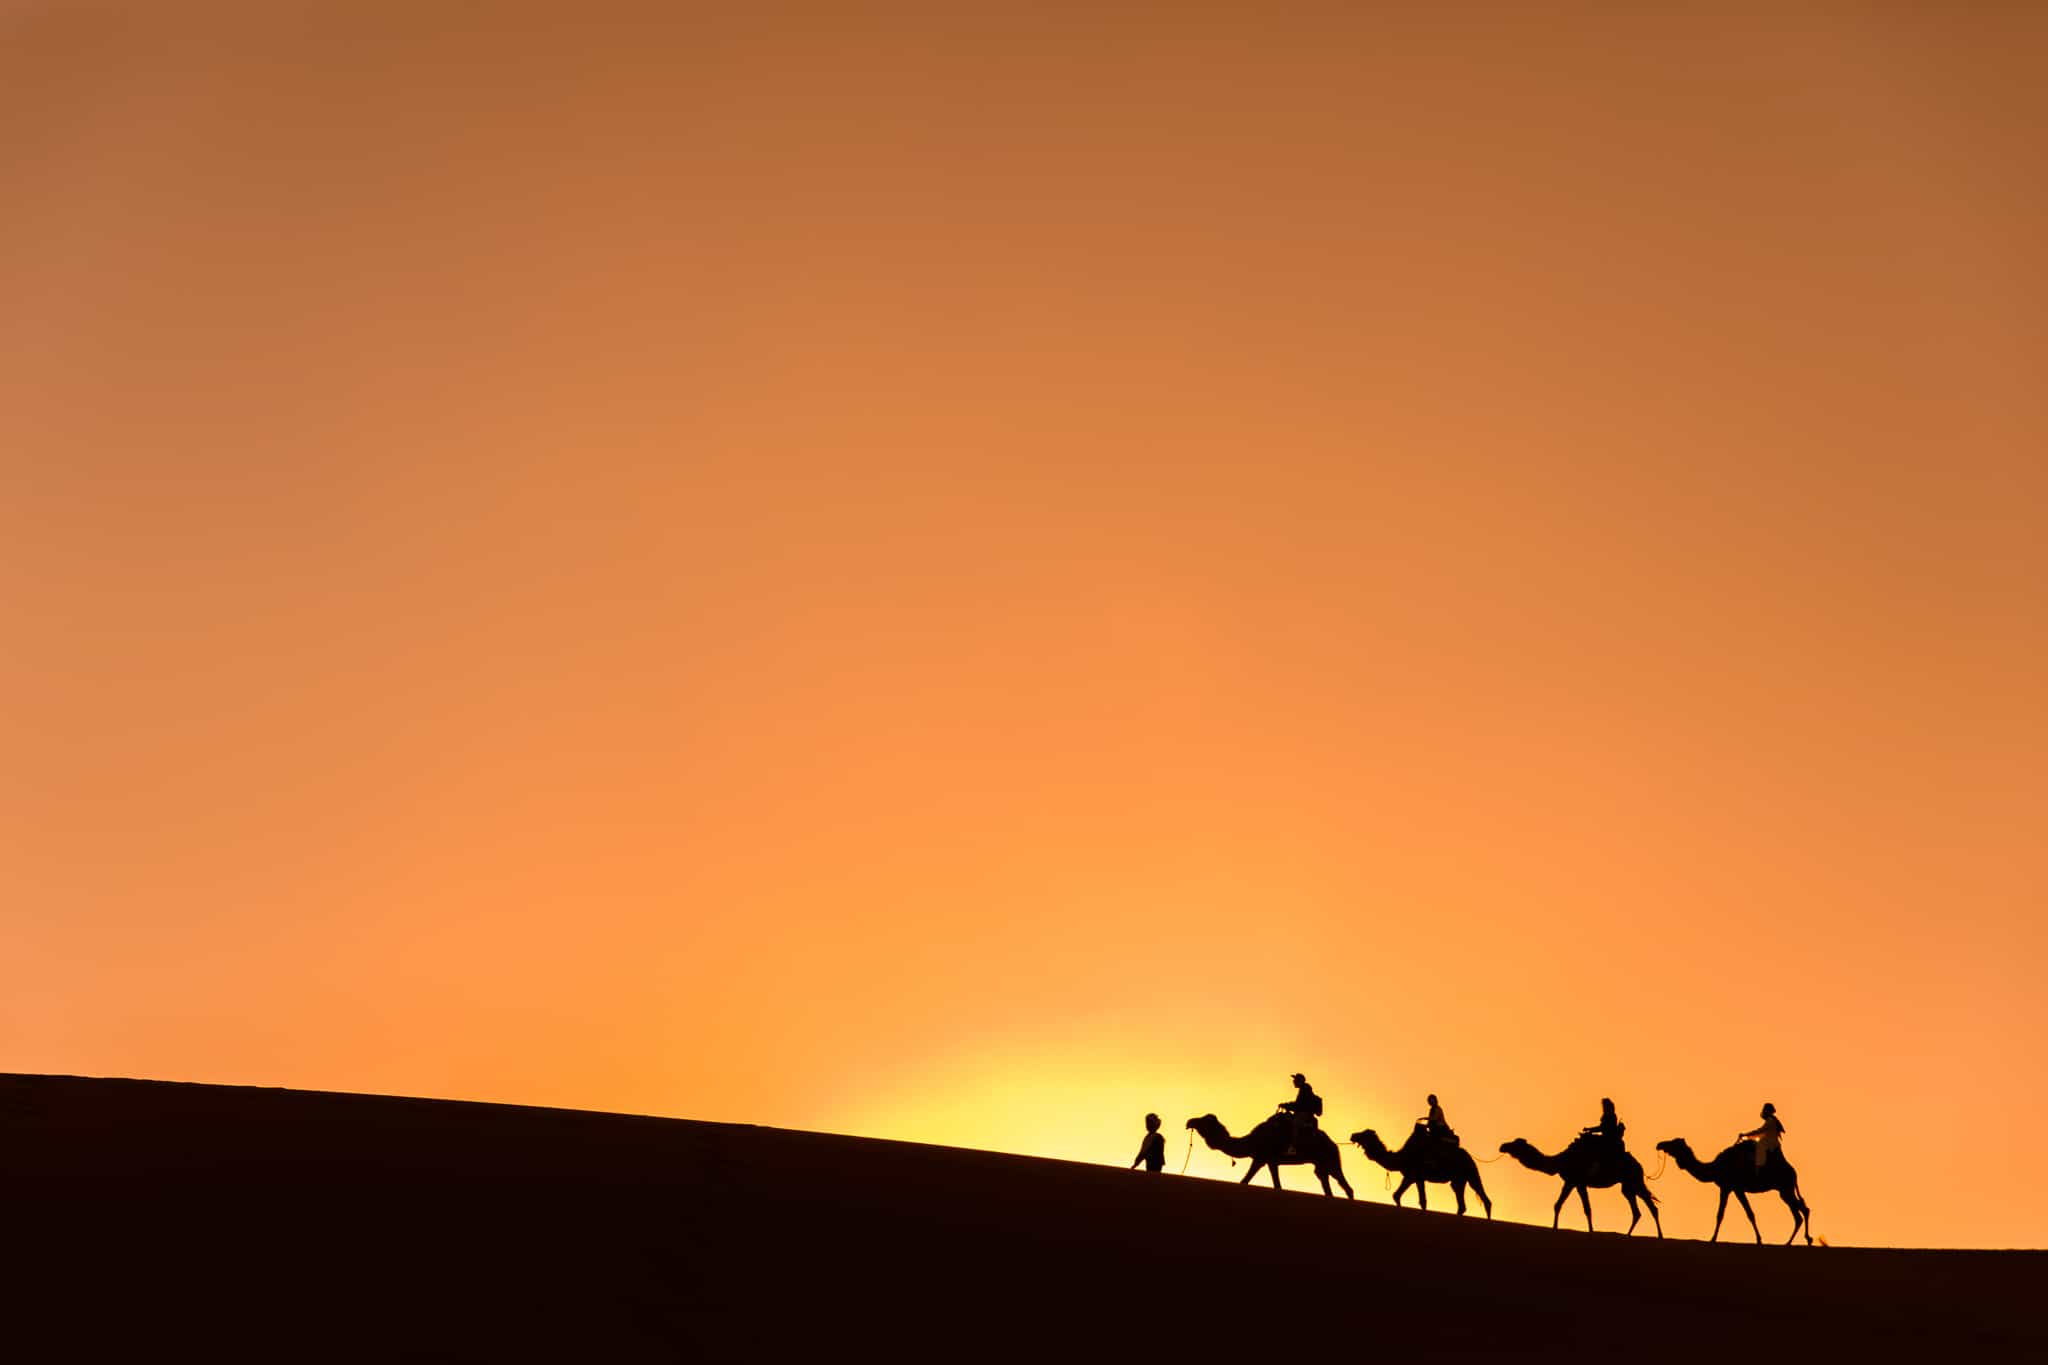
172	1221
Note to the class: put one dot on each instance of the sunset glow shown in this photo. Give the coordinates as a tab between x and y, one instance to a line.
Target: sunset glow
966	578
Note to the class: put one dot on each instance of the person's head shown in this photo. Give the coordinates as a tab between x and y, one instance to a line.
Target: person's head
1432	1099
1298	1078
1769	1109
1606	1106
1151	1123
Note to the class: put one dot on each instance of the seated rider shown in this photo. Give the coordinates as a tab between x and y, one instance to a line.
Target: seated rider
1766	1136
1436	1126
1305	1107
1608	1131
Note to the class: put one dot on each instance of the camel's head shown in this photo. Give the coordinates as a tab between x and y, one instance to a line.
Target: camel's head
1203	1121
1513	1145
1363	1136
1674	1147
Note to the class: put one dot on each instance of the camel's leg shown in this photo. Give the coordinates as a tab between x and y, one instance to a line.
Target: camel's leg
1406	1181
1480	1189
1458	1190
1250	1173
1274	1171
1635	1215
1744	1200
1586	1204
1338	1172
1421	1193
1324	1176
1720	1212
1562	1195
1798	1214
1654	1218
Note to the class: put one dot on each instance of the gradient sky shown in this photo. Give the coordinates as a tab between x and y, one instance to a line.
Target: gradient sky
964	577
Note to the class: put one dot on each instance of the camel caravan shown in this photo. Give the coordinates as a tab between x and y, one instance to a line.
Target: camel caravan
1433	1154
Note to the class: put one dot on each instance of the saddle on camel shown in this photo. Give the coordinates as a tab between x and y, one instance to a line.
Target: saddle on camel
1421	1137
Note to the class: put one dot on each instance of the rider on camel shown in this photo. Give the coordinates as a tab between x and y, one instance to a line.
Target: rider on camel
1766	1135
1436	1126
1305	1107
1609	1130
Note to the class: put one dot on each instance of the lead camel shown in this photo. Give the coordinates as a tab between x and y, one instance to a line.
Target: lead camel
1267	1146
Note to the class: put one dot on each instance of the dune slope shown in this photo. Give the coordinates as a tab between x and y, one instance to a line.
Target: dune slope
273	1224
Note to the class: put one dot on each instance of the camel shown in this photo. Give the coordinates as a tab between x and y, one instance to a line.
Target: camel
1267	1146
1735	1171
1423	1160
1582	1166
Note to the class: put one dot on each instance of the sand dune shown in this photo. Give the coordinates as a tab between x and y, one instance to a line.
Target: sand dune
148	1217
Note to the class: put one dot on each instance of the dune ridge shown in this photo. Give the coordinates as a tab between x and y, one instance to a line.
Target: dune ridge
250	1223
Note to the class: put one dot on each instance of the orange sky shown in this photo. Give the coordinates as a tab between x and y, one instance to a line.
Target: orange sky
964	578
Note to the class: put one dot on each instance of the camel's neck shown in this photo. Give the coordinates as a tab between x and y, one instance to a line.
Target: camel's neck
1536	1159
1692	1165
1377	1152
1219	1139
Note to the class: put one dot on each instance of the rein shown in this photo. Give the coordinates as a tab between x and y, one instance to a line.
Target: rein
1482	1160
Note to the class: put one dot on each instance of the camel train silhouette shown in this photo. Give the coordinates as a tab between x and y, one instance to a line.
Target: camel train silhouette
1590	1162
1736	1171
